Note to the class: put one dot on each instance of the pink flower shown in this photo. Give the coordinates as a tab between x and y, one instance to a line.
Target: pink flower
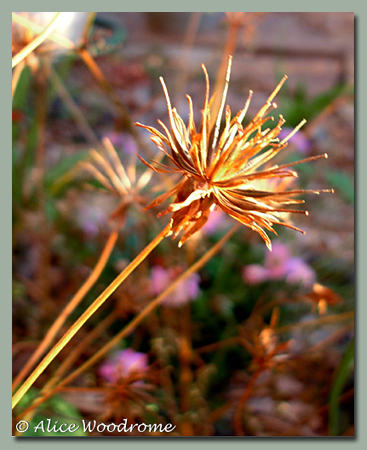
122	141
279	265
276	261
91	219
255	274
215	222
186	291
160	279
298	272
123	364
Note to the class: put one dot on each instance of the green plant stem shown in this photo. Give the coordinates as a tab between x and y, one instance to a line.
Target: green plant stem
339	381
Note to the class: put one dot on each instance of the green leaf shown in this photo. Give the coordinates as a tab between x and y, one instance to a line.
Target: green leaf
339	382
21	94
299	107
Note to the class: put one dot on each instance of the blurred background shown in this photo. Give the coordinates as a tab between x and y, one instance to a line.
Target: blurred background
254	343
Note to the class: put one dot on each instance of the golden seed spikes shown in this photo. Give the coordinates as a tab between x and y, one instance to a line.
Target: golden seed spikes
228	170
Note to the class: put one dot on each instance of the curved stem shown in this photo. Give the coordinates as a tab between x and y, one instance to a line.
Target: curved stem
69	308
87	314
237	420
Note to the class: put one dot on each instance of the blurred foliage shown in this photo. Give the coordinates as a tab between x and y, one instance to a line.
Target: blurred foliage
301	106
342	183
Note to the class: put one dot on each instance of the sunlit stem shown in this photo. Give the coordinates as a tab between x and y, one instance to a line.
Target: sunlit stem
67	363
230	48
35	43
69	308
86	315
139	318
36	28
15	77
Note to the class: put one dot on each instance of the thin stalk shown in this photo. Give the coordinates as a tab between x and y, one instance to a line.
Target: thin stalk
40	87
87	314
217	345
68	362
87	28
69	308
331	339
185	358
230	47
78	350
42	238
35	43
36	28
73	107
349	315
309	323
139	318
152	305
167	387
237	420
187	45
15	77
219	412
106	86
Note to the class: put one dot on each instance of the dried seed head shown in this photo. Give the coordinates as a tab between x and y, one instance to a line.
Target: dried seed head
230	169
